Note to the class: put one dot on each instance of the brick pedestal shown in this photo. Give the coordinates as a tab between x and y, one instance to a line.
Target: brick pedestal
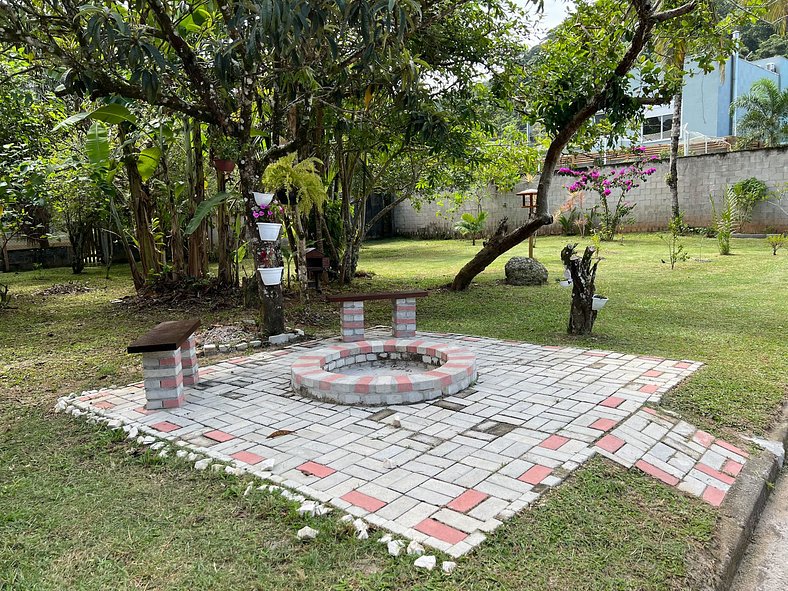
163	374
191	369
403	318
352	321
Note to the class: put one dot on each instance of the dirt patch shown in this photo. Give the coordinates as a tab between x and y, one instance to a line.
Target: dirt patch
226	334
69	288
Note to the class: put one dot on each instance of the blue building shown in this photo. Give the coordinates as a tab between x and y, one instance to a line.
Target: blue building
708	97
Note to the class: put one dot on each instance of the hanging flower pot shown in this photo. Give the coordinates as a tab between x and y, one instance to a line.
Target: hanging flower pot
223	165
598	302
566	283
271	275
262	199
268	232
287	197
568	274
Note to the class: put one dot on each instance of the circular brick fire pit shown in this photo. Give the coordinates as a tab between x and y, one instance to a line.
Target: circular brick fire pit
374	373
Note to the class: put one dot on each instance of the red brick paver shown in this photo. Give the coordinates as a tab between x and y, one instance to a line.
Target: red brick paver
535	474
467	500
219	436
367	502
441	531
247	457
610	443
603	424
166	426
554	442
652	470
315	469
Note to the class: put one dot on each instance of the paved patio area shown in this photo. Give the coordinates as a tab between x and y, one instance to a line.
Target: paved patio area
446	472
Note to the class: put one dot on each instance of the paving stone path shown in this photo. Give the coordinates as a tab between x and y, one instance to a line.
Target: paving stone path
447	472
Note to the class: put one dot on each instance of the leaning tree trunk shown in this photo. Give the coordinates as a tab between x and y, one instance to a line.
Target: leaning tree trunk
582	314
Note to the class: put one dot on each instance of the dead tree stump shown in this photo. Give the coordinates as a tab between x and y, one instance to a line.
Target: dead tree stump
582	314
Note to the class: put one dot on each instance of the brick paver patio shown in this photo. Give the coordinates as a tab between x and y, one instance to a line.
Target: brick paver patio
447	472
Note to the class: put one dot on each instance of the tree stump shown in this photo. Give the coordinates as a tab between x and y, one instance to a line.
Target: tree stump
581	315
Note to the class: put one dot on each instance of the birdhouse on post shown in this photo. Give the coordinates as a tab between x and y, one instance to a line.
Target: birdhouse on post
529	201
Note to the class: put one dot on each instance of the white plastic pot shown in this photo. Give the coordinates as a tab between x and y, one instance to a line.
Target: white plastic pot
268	232
271	275
566	283
598	302
262	199
568	274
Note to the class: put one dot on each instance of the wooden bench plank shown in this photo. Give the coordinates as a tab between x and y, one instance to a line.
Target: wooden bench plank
384	295
166	336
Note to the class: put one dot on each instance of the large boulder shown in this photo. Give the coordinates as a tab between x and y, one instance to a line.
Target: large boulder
525	271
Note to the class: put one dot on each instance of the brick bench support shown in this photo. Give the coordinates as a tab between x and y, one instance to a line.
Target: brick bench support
169	362
403	318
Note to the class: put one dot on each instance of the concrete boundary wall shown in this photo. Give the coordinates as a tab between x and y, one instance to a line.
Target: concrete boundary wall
699	177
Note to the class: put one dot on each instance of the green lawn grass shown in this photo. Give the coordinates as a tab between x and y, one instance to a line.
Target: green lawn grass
79	510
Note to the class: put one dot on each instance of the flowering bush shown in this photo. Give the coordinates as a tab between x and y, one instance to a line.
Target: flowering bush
615	182
264	214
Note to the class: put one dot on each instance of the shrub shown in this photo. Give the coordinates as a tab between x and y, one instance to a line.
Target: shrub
776	242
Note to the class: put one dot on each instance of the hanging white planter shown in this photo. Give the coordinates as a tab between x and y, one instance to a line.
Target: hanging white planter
262	199
568	274
271	275
598	302
268	232
566	283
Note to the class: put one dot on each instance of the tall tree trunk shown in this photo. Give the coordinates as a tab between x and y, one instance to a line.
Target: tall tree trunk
675	133
176	234
266	254
142	211
224	235
303	282
198	253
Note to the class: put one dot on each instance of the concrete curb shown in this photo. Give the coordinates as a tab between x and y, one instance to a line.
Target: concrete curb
742	509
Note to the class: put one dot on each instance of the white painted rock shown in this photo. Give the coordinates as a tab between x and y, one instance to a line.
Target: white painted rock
242	346
148	439
192	456
396	421
291	496
363	535
266	464
307	533
233	471
202	464
114	424
427	562
164	453
346	519
60	406
307	508
448	566
181	453
321	510
389	463
385	539
395	547
157	445
360	525
248	489
218	467
415	549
